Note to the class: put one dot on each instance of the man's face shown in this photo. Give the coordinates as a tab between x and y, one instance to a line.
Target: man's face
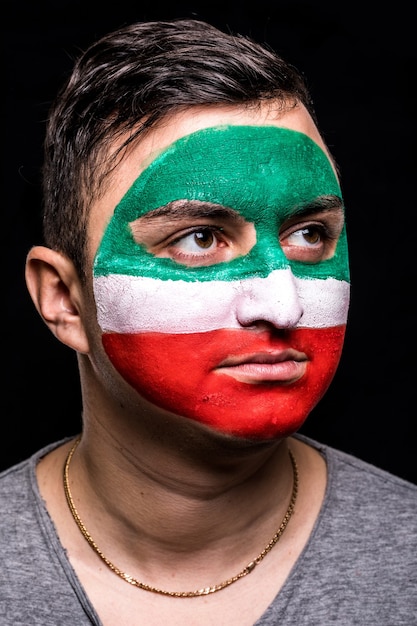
221	280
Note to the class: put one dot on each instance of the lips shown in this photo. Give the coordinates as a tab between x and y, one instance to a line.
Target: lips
282	367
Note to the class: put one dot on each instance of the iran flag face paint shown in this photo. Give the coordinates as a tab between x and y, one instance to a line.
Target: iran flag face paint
222	281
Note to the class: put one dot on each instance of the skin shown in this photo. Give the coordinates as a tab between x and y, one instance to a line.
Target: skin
174	502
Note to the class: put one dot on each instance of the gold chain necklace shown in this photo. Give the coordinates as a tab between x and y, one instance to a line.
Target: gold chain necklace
180	594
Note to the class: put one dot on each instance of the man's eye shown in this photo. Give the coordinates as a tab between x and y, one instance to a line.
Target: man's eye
312	235
204	245
193	235
311	243
197	241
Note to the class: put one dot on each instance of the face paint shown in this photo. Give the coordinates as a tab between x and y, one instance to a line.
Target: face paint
247	346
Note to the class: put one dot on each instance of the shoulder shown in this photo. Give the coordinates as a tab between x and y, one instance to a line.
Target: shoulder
21	505
375	488
356	478
367	509
23	473
40	586
360	563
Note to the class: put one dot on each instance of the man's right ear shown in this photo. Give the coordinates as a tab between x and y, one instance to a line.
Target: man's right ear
55	289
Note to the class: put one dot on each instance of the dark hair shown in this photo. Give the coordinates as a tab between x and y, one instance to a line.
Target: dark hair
123	85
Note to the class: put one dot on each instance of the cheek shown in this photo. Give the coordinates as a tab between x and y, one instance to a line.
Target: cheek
177	373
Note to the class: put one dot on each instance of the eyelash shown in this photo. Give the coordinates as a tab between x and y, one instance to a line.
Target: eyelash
216	231
307	251
322	230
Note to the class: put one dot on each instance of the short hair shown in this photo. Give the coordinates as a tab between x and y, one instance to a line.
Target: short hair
123	85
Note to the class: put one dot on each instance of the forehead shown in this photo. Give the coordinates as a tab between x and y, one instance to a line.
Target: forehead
149	148
260	171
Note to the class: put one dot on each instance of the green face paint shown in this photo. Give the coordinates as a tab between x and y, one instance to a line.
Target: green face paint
266	173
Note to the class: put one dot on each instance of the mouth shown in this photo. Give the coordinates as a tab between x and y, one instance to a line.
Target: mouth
282	367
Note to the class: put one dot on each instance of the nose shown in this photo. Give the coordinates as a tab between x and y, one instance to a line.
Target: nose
273	299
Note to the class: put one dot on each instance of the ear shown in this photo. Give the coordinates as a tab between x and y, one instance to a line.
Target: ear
55	289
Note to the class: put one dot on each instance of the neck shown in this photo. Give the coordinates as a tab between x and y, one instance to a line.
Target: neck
247	569
158	529
172	496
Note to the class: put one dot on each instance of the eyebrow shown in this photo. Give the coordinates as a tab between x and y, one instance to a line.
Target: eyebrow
322	203
180	209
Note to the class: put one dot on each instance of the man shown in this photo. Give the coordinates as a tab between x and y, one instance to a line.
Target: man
195	259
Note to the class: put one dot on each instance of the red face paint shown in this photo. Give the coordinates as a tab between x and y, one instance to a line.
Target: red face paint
180	373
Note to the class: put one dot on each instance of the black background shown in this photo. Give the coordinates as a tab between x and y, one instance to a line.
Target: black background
360	62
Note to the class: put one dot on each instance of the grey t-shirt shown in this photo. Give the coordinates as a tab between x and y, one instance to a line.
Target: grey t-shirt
358	567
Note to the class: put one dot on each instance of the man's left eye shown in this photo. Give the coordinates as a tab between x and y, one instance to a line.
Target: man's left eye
312	235
311	243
